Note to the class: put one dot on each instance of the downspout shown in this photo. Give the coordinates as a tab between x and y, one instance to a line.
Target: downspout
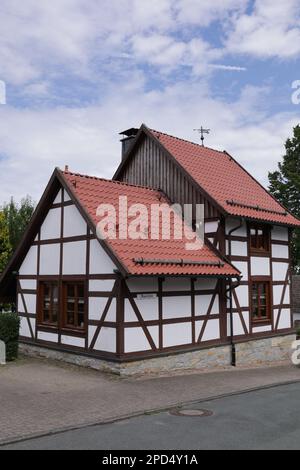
230	289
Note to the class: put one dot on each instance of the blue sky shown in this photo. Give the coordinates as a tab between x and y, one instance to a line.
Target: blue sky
79	71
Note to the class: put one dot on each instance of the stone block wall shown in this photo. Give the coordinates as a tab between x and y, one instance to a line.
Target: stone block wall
296	294
260	351
249	353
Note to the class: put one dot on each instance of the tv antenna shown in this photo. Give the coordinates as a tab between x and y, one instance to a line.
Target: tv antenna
202	131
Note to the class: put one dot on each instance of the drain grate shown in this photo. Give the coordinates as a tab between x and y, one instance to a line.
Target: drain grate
191	412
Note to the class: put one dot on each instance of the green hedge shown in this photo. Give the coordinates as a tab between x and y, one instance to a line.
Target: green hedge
9	333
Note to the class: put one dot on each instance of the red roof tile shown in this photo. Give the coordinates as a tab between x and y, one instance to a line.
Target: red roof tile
92	191
226	181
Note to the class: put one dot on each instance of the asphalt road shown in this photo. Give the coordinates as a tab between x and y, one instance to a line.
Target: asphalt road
264	419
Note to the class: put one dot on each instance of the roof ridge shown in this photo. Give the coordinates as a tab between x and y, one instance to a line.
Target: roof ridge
188	141
99	178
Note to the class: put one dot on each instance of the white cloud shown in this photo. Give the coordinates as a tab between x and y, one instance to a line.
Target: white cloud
157	49
270	30
33	142
41	40
38	37
205	11
106	44
44	40
234	68
37	89
169	53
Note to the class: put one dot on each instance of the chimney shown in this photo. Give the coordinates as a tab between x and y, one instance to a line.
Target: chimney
128	137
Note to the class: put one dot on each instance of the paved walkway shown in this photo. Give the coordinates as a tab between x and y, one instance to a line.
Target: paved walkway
39	397
262	419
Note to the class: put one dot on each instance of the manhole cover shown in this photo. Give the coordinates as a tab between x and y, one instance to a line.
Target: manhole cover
191	412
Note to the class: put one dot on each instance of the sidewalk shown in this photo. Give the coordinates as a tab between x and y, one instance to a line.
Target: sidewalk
39	396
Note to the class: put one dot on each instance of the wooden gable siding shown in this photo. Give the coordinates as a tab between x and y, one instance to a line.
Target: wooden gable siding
149	166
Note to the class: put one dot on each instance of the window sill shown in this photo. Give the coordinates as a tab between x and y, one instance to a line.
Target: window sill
45	327
265	254
63	331
267	322
73	332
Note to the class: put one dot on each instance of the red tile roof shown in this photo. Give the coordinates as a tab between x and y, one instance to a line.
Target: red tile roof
226	181
140	257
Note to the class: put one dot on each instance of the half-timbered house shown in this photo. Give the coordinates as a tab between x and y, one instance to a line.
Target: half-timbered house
132	305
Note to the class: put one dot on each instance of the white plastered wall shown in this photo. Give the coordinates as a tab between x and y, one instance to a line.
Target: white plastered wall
29	265
74	258
260	266
178	306
211	226
51	226
73	341
106	340
74	224
175	334
173	307
30	302
24	326
100	262
242	266
212	329
280	251
280	271
49	259
147	307
202	303
149	284
238	328
232	223
97	306
57	199
46	336
238	248
280	233
135	339
285	320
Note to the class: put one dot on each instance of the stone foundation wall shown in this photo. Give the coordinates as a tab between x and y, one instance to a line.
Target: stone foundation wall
260	351
71	358
296	294
202	359
265	350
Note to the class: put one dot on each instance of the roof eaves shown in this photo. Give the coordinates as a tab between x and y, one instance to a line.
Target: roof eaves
257	182
266	221
189	275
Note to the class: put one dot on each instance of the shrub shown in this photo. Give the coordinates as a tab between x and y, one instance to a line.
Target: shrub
9	333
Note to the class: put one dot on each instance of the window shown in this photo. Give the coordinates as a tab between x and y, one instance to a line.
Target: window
260	304
62	305
73	305
259	238
48	313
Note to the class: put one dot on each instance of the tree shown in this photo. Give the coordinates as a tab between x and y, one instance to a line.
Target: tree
285	186
5	247
14	219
